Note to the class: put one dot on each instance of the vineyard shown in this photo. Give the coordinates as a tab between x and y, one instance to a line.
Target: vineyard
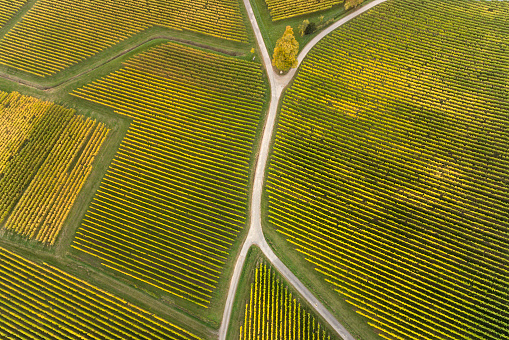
175	197
272	312
42	302
46	154
283	9
56	34
8	8
390	166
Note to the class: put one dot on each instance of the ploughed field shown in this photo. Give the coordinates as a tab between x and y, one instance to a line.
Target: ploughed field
55	34
390	168
46	154
175	196
43	302
273	311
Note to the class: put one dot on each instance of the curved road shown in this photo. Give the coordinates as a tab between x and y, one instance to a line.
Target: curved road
255	235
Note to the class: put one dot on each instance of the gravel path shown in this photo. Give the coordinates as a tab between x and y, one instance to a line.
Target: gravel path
255	235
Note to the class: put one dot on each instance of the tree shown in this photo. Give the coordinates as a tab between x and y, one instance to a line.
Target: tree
310	29
286	50
303	27
352	3
306	28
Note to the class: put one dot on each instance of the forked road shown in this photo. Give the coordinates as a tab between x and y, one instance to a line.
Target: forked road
255	234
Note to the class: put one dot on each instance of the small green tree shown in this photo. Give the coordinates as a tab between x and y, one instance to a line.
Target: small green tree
303	26
310	29
352	3
286	50
306	27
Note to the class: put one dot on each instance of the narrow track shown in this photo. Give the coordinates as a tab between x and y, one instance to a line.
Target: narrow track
255	235
120	54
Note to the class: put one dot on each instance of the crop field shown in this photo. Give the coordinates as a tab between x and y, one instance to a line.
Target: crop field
390	167
42	302
46	154
8	8
56	34
274	313
283	9
175	197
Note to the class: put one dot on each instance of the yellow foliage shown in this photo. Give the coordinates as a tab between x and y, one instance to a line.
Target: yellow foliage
284	9
352	3
286	50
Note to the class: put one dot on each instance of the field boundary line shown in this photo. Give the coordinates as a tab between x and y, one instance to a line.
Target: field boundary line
69	80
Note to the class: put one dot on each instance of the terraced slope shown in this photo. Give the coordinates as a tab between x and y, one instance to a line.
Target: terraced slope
175	197
8	8
390	167
56	34
46	154
273	312
283	9
42	302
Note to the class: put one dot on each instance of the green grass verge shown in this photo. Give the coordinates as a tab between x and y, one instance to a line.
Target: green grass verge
253	258
242	296
134	42
273	30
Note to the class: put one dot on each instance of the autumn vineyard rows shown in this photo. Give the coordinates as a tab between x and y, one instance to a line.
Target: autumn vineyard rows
43	302
273	312
390	167
389	172
46	154
175	197
8	8
284	9
56	34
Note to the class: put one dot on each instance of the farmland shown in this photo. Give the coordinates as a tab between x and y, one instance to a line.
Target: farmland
8	8
42	301
273	312
284	9
389	168
46	154
175	197
161	179
54	35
